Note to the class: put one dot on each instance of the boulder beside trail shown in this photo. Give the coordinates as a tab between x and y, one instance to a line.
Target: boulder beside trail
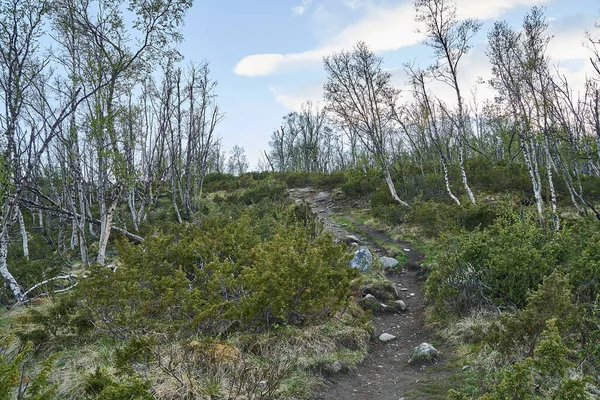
424	353
362	261
388	262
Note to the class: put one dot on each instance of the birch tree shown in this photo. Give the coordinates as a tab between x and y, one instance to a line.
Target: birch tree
113	58
450	40
520	69
359	94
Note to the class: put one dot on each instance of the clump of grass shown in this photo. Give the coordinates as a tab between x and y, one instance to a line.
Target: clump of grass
375	284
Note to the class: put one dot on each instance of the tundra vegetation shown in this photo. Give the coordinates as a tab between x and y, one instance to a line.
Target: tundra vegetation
140	262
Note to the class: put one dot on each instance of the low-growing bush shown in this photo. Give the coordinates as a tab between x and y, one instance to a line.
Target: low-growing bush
361	183
498	264
220	276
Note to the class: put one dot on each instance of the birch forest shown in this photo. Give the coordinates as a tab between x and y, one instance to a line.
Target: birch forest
140	259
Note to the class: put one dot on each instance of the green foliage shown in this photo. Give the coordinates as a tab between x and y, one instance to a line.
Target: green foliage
360	183
543	375
394	214
136	349
17	377
264	267
497	176
43	263
434	218
294	280
257	191
318	180
499	263
57	320
102	387
551	301
10	369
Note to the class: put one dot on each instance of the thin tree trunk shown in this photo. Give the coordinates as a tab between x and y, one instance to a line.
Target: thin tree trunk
390	183
24	236
463	173
8	278
537	189
549	164
447	180
105	228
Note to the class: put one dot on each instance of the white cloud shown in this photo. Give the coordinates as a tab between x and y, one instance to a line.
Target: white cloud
568	41
486	9
383	28
301	8
294	99
355	4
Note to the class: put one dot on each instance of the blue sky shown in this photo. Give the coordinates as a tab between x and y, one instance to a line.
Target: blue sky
266	54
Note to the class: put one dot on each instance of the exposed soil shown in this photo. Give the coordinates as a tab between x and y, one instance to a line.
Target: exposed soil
385	374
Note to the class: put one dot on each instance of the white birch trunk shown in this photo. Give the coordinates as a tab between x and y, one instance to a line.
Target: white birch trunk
537	189
390	183
106	220
74	234
463	173
24	236
8	278
447	180
549	164
132	209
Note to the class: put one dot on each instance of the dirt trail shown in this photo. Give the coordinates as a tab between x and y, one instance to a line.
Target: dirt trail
385	373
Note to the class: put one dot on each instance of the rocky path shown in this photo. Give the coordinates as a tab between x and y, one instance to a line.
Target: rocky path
385	374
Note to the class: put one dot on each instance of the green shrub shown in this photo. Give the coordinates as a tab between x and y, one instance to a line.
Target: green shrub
497	176
543	375
294	280
500	263
17	380
221	275
433	218
394	214
102	387
360	183
258	191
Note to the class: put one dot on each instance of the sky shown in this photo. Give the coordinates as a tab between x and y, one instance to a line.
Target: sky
267	54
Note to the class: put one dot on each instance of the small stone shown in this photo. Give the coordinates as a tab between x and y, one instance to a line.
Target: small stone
321	196
401	305
352	238
466	367
404	289
386	337
412	295
424	352
389	262
406	249
335	367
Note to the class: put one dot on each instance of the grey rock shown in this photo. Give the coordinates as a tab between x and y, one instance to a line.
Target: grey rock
352	238
401	305
362	261
424	353
321	196
335	367
386	337
389	262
